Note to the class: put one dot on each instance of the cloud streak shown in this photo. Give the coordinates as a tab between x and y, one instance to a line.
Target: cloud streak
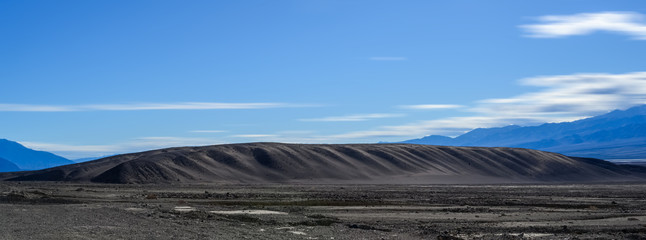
445	126
556	26
353	118
560	98
55	147
555	99
573	95
73	151
141	107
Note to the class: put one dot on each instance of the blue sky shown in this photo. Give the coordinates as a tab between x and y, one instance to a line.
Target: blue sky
91	78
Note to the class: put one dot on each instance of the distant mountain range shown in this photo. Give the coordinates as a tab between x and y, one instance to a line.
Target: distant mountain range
87	159
337	163
7	166
21	158
620	134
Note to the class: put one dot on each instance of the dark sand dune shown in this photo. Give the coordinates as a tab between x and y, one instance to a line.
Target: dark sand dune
342	163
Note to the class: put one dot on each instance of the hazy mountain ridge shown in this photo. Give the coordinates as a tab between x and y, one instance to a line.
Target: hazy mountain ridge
86	159
349	163
29	159
7	166
620	134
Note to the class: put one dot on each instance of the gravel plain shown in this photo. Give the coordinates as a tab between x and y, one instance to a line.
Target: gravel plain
51	210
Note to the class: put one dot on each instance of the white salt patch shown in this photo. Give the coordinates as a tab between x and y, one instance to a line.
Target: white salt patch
254	212
536	235
134	209
184	209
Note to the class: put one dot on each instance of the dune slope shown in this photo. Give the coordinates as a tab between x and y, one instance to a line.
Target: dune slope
330	163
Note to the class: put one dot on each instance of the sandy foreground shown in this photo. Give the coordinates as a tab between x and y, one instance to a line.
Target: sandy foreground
46	210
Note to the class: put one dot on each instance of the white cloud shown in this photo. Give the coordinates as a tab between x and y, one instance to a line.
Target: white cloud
159	142
556	99
33	108
446	126
571	96
554	26
69	148
141	106
453	126
430	106
561	98
353	118
72	151
388	58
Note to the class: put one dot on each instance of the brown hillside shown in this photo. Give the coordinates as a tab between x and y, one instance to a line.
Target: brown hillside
337	163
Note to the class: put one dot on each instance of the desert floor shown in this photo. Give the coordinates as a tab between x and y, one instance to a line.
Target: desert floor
47	210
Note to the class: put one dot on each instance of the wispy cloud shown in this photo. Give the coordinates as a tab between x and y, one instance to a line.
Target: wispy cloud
446	126
353	118
168	141
388	58
33	108
430	106
571	95
452	126
555	26
560	98
555	99
141	106
73	151
55	147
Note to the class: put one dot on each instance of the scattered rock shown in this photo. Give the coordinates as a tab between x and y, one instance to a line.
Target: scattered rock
151	196
448	237
366	227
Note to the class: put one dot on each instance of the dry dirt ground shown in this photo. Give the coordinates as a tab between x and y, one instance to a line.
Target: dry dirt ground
45	210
